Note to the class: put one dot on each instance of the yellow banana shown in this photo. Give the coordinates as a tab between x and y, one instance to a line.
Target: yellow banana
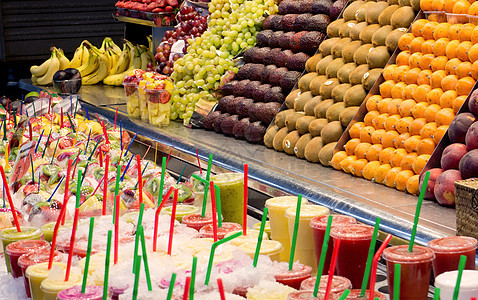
150	43
64	61
90	66
85	56
137	59
76	60
115	79
114	46
52	69
113	58
144	60
34	79
99	74
103	46
40	70
122	63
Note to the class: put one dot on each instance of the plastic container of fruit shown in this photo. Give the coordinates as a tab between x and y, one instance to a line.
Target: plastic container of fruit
435	16
456	18
162	18
134	13
473	19
142	101
67	87
132	97
159	106
122	11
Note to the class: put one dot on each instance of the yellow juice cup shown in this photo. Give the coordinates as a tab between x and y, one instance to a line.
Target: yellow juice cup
270	248
51	287
267	228
36	274
252	235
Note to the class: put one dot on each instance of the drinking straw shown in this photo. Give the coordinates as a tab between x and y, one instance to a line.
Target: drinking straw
3	198
87	114
323	253
56	188
33	170
181	175
71	123
67	186
21	106
186	288
296	229
244	210
121	136
171	286
169	155
193	278
137	236
61	118
396	281
261	234
39	140
107	266
213	250
147	151
105	133
10	200
218	205
373	275
73	231
173	218
76	163
344	294
199	162
161	182
208	176
142	172
94	148
136	277
145	257
417	212
15	119
220	287
156	217
118	171
140	179
34	109
101	159
54	152
88	141
126	169
116	116
333	261
116	218
436	295
46	144
71	104
155	154
88	254
461	267
29	130
3	121
76	107
371	251
105	186
214	216
129	146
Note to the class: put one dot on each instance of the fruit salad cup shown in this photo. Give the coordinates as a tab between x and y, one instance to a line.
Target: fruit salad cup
130	83
142	101
159	105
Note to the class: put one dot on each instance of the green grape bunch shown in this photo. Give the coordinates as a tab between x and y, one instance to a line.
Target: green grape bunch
232	27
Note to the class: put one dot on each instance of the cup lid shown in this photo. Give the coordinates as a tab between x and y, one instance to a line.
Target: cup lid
26	246
307	211
339	283
283	202
352	232
453	244
320	222
400	254
469	280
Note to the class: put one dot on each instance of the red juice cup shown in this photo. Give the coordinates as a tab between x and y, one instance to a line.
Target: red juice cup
319	225
207	231
17	249
196	221
309	294
92	292
355	294
352	256
294	277
339	284
415	270
448	251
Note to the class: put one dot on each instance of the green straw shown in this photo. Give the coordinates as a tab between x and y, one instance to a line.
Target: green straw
46	145
436	296
344	294
417	212
218	206
94	148
296	229
145	258
171	286
204	203
323	254
192	286
213	250
206	188
88	254
107	266
181	175
261	234
371	252
53	156
461	267
137	236
78	190
118	175
33	170
71	123
161	183
136	277
396	281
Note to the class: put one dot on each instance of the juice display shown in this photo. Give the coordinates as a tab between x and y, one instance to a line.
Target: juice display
305	249
468	285
207	231
352	256
231	186
181	211
17	249
415	270
319	225
355	294
270	248
92	292
339	284
310	295
10	235
36	274
196	221
295	277
278	221
448	251
51	287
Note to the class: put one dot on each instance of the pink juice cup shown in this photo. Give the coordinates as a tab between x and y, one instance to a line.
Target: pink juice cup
339	284
310	295
352	256
319	225
448	251
116	291
355	294
196	221
207	231
92	292
296	276
17	249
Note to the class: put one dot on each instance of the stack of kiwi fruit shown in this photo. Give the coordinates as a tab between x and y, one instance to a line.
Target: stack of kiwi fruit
338	78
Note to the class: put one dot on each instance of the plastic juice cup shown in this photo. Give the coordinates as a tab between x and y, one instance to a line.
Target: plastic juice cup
181	211
207	231
308	294
267	228
48	229
115	292
415	270
268	247
231	186
51	287
339	284
319	225
355	294
36	274
468	285
159	106
196	221
294	277
34	258
448	251
17	249
305	249
354	246
6	218
10	235
132	95
142	101
92	292
252	235
278	221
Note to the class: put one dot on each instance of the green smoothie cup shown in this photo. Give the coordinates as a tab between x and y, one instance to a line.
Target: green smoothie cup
10	235
181	211
48	229
231	186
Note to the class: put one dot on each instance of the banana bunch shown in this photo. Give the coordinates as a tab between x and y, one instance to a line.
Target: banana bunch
43	74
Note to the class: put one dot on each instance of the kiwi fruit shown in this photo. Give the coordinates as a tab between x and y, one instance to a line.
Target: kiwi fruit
269	136
303	99
321	66
333	28
321	109
337	48
402	17
349	12
367	33
278	138
369	78
305	80
349	50
357	74
354	96
344	72
374	11
333	112
299	148
315	127
311	152
339	91
292	97
309	106
331	132
281	116
291	119
404	2
354	32
392	38
289	141
333	67
347	115
360	56
378	57
325	47
392	2
311	63
379	37
326	154
302	124
344	31
316	83
415	4
327	87
361	12
386	15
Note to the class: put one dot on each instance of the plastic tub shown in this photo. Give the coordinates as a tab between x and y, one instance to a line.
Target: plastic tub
435	16
456	18
473	19
132	97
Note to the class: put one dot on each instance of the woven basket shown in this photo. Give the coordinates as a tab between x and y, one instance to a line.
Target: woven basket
466	197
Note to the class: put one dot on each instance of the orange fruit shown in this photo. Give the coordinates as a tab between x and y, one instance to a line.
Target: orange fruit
408	160
379	121
417	26
433	97
441	30
354	131
416	125
369	117
397	90
425	61
414	60
444	116
451	49
401	139
408	91
351	145
366	134
473	53
386	88
406	106
413	184
402	125
381	173
427	47
373	152
426	5
464	69
383	105
411	143
347	162
474	70
418	111
464	85
438	63
402	58
393	106
431	112
377	136
439	47
416	44
449	82
458	103
465	32
397	156
452	65
372	102
473	9
426	146
447	99
391	175
388	139
449	6
438	5
399	73
462	50
474	36
420	94
385	155
405	40
368	171
453	32
461	7
337	158
436	78
390	122
439	133
424	77
357	166
402	178
420	163
412	75
427	30
428	130
387	72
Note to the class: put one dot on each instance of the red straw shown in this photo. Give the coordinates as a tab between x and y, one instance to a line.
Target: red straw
244	213
376	257
10	201
49	103
140	179
333	261
199	162
186	288
72	244
173	218
156	217
61	118
169	155
105	133
67	186
101	159
116	229
220	287
29	129
214	215
105	187
116	116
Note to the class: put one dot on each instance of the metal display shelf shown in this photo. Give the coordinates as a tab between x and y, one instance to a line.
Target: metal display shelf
274	173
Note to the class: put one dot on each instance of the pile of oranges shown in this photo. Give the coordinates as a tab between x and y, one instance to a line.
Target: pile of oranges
421	93
463	7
